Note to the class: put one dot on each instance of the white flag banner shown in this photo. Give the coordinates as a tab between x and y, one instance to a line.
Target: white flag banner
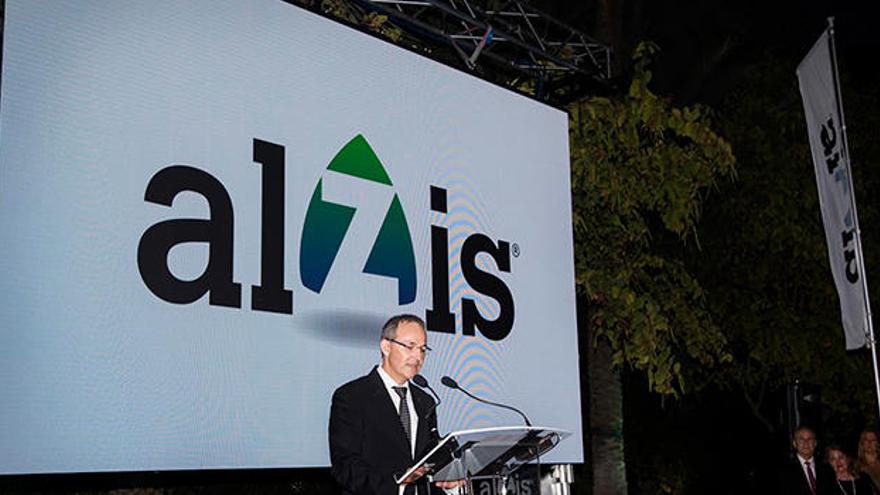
818	85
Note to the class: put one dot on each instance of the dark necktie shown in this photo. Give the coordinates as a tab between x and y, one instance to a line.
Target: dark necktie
404	412
811	477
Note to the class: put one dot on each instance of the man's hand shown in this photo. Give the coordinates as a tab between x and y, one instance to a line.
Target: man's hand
448	485
418	473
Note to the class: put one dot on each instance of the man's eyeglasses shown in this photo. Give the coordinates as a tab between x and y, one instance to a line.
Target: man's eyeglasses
424	349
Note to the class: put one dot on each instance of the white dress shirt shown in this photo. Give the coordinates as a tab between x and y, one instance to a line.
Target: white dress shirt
812	461
413	417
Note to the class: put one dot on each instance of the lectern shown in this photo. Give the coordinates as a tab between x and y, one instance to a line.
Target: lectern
496	452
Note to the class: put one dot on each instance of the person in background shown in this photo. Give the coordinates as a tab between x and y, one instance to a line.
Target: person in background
868	462
802	475
847	479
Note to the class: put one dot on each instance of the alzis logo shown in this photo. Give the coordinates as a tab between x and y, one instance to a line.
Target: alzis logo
325	227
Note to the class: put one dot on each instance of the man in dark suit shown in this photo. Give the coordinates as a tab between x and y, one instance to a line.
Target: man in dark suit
805	475
379	424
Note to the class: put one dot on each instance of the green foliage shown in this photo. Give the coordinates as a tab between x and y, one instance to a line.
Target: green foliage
765	264
349	12
640	171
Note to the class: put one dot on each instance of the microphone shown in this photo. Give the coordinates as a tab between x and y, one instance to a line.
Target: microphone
449	382
423	383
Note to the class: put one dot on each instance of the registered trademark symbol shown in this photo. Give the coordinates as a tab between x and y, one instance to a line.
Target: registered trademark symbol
515	250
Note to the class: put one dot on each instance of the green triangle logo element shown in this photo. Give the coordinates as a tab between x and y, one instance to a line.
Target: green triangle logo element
357	159
324	229
326	225
392	253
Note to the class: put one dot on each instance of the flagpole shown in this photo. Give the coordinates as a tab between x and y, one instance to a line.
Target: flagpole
860	259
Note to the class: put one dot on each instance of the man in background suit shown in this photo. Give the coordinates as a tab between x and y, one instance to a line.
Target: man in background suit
379	424
805	475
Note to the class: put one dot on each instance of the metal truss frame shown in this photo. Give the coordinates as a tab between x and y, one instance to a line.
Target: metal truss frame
507	42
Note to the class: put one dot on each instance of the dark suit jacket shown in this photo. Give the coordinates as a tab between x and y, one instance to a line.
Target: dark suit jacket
368	446
793	481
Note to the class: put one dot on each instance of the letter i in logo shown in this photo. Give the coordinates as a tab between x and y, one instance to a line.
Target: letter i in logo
327	223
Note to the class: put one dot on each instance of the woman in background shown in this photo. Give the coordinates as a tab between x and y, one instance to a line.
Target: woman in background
868	462
847	480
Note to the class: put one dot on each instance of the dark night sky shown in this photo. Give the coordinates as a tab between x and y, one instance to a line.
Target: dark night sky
691	32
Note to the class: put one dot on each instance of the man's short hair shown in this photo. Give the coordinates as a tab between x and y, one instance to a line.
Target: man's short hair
389	329
801	428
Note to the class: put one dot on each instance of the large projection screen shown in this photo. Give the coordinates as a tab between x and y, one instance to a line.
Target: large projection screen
208	209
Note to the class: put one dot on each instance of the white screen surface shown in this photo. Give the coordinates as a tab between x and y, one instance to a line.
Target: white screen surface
100	373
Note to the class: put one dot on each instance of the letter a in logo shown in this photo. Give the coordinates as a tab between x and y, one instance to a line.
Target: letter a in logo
327	223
